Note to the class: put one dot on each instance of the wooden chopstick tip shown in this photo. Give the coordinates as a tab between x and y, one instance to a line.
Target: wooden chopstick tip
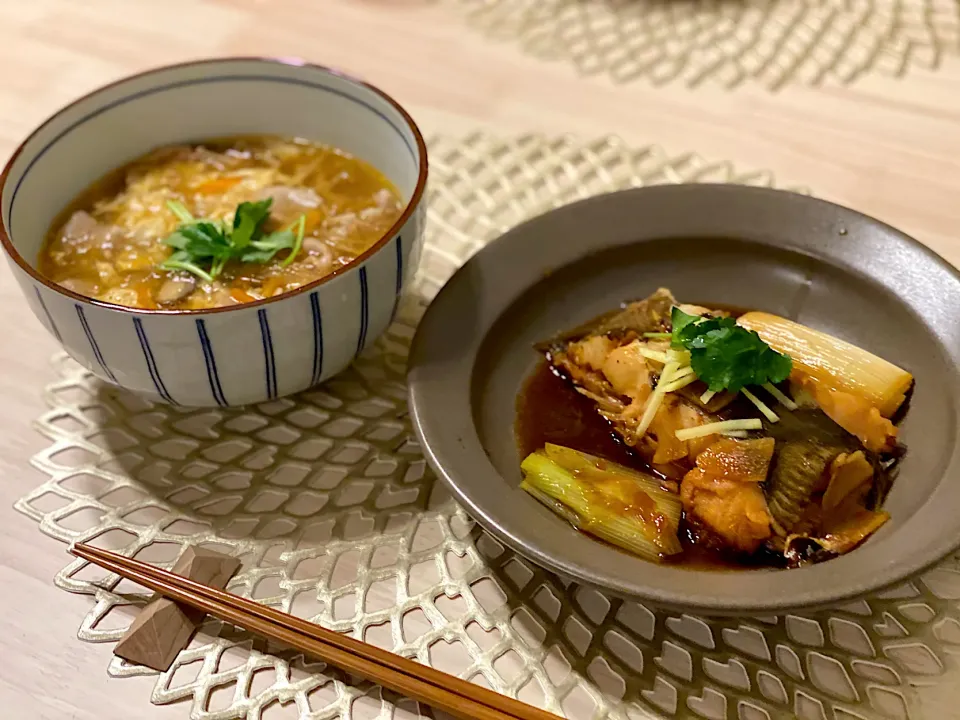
84	552
78	549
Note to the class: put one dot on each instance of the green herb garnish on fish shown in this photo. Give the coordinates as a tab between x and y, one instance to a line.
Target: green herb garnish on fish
725	355
203	247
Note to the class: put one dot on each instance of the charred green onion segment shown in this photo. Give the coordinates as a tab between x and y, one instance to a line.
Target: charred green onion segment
757	436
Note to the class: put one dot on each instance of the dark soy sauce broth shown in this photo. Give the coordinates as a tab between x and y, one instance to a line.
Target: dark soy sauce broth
550	410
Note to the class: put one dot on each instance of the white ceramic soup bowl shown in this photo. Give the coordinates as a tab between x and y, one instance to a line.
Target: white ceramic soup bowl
239	354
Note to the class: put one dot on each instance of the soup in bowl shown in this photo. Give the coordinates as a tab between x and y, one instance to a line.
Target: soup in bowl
205	248
219	223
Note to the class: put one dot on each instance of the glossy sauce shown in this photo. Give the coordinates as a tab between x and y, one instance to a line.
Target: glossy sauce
550	410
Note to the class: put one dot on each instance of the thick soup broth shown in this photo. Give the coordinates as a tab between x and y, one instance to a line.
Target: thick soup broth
113	242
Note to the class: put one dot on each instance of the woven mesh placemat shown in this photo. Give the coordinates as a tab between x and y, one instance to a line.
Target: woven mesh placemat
327	499
771	42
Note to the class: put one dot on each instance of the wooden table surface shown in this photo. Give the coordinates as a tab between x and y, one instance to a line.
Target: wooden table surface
887	146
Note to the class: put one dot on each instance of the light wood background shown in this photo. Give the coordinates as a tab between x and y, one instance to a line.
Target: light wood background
888	147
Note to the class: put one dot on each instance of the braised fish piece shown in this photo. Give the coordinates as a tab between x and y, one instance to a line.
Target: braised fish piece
652	314
807	442
724	491
764	457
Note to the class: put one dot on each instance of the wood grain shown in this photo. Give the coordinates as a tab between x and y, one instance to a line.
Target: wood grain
461	698
888	147
163	628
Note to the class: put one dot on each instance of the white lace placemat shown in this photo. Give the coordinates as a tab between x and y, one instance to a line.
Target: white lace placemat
328	501
770	42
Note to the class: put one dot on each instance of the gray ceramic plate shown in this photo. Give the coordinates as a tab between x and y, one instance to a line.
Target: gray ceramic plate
809	260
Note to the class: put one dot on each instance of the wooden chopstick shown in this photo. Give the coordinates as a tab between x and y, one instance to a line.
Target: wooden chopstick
453	695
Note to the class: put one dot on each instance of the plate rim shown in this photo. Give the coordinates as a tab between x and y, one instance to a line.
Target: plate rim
418	404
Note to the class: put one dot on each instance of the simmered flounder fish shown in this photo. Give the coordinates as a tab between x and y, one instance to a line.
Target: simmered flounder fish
759	451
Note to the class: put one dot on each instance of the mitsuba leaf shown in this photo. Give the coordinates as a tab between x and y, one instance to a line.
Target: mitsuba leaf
725	355
263	250
204	247
679	320
177	240
248	222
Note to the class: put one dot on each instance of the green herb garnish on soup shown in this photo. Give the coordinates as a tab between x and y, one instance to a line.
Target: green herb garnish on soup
204	247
